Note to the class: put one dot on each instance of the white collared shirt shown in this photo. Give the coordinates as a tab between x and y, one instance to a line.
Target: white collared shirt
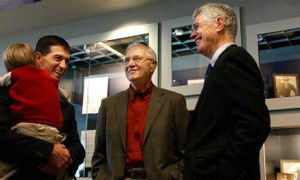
219	52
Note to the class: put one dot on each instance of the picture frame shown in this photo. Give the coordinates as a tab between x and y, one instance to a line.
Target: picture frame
285	85
285	176
290	166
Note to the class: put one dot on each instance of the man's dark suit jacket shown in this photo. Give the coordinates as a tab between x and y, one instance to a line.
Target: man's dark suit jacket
29	152
163	143
230	122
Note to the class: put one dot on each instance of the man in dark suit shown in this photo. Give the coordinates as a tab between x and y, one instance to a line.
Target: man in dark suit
38	159
231	121
140	132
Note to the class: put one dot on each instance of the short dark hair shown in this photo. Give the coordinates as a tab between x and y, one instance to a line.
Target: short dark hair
44	43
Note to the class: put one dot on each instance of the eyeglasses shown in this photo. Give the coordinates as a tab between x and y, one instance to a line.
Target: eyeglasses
136	59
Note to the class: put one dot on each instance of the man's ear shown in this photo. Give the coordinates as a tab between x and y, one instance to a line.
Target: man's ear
220	21
38	59
153	66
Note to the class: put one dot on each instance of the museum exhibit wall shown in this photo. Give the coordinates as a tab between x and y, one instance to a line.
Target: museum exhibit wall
254	16
158	12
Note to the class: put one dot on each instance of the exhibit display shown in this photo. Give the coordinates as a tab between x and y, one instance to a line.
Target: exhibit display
275	47
279	61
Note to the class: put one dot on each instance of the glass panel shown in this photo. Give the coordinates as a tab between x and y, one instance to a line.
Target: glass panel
8	4
282	145
188	67
279	59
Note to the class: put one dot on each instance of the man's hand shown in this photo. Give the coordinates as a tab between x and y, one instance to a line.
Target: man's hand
59	160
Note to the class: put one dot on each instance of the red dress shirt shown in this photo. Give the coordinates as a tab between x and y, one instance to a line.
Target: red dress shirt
138	104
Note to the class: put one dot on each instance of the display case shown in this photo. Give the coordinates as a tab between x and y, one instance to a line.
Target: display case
96	70
279	61
283	142
282	153
275	47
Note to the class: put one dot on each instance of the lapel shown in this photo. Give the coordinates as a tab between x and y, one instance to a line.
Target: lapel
155	106
220	60
121	109
202	91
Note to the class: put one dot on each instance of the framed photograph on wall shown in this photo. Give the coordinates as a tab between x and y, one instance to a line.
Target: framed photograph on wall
291	166
285	85
285	176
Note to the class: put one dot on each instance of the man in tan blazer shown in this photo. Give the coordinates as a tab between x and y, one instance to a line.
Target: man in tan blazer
141	131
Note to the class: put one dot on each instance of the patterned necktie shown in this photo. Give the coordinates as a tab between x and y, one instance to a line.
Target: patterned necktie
208	70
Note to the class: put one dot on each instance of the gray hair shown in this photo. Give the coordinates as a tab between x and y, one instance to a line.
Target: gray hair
150	52
213	10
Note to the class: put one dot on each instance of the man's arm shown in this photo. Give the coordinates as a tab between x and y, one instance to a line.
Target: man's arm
99	157
244	100
182	118
18	148
59	160
72	141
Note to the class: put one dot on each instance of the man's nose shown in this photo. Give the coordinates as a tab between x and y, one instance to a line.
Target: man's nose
63	64
131	63
193	34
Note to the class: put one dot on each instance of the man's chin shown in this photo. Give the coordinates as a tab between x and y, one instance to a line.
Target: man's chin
132	78
199	50
56	76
